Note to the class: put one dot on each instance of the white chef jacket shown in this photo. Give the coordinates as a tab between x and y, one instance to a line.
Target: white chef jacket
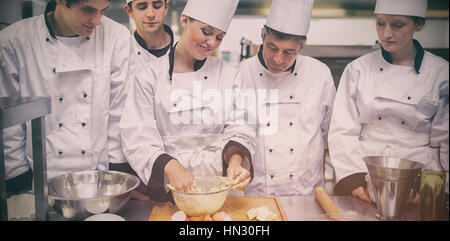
86	79
289	160
150	137
386	109
143	56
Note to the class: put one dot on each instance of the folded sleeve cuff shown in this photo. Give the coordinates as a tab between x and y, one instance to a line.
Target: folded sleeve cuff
156	183
20	184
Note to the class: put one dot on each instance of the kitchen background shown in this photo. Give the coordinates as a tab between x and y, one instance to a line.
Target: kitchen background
341	30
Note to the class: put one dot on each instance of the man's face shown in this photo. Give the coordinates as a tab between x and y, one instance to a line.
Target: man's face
279	55
81	18
148	14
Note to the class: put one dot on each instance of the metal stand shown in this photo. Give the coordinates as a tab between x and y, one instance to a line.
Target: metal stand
14	111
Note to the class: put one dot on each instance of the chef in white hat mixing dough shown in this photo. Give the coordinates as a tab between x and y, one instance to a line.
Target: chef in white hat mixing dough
289	160
161	147
393	101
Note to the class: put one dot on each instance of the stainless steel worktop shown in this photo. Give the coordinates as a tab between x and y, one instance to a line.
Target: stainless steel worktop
297	209
354	209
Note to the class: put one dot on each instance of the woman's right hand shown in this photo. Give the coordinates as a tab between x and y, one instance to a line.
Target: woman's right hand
179	177
362	193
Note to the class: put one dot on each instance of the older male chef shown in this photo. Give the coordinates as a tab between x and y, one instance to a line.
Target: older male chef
289	160
79	58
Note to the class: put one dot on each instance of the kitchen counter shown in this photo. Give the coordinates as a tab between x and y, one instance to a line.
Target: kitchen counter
297	209
354	209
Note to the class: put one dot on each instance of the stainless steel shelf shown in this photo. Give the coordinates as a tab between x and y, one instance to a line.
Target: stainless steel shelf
14	111
17	110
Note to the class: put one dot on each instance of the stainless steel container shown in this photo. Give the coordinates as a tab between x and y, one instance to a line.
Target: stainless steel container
392	179
79	195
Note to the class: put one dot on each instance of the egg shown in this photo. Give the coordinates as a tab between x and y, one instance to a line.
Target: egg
179	216
218	216
221	216
226	217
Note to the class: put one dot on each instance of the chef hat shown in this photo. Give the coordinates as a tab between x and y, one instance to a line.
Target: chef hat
290	16
417	8
217	13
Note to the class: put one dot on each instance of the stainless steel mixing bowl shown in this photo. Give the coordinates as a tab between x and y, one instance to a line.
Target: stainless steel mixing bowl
392	179
79	195
208	199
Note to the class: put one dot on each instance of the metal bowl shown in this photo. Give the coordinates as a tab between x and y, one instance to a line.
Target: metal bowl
79	195
392	179
391	168
206	202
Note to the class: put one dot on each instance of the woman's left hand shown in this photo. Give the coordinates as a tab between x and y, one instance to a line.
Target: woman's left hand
238	177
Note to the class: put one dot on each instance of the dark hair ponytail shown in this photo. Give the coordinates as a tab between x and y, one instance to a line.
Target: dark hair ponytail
52	4
418	20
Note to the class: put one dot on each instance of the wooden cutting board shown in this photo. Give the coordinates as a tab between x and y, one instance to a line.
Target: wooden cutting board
236	207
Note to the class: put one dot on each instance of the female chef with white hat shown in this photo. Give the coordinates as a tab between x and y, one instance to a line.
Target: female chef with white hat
390	102
289	160
162	148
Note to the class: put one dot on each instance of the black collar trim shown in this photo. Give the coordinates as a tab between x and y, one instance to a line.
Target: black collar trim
51	6
141	41
261	60
417	60
197	65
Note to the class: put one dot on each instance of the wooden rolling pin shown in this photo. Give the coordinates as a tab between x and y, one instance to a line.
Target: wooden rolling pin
327	204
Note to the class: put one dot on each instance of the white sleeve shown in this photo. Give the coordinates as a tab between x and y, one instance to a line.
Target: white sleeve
14	138
141	141
121	74
240	133
329	93
440	123
343	137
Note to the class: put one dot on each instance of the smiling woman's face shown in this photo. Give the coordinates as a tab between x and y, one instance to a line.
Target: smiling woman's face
395	32
200	39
